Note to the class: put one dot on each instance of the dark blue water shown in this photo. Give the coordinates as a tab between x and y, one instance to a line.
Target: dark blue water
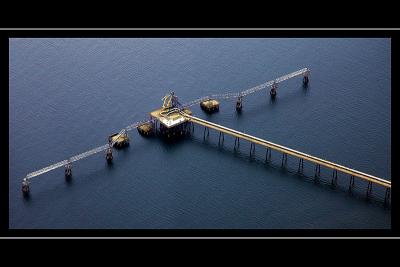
68	95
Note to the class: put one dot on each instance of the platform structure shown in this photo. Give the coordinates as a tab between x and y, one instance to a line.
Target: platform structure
169	122
174	120
168	118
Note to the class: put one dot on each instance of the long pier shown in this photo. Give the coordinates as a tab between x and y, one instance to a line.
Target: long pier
174	118
288	151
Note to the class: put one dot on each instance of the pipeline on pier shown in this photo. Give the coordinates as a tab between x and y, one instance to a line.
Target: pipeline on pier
286	151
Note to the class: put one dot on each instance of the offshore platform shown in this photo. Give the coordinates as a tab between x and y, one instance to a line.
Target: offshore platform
174	120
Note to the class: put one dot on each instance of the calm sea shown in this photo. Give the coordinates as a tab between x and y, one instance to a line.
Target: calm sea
67	95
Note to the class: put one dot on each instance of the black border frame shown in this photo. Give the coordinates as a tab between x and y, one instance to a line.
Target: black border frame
199	33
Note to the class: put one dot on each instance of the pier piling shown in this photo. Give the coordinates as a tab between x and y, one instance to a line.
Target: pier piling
351	184
284	159
68	170
369	189
334	177
268	155
387	196
109	155
301	166
252	149
25	187
317	170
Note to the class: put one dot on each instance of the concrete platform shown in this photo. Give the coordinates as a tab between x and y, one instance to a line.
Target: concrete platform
170	118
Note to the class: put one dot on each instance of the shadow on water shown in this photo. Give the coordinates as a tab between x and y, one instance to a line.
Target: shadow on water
320	181
238	114
171	142
305	88
109	166
26	197
69	180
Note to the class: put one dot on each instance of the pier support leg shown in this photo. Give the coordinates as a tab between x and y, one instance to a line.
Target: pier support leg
68	170
268	155
351	184
387	196
305	79
25	187
236	143
252	149
369	189
300	168
334	177
284	159
109	155
221	141
239	104
317	170
273	90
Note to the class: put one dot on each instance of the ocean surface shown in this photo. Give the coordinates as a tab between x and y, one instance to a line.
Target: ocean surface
67	95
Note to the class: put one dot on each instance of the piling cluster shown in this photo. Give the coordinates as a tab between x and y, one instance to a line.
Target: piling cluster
239	104
109	155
